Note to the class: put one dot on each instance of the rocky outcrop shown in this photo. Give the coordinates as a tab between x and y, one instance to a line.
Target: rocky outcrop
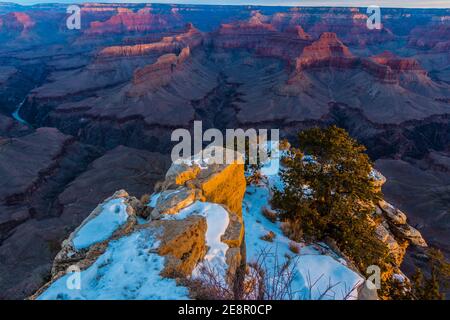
16	22
128	21
223	184
182	243
191	38
433	36
262	38
393	230
398	64
179	237
396	221
330	52
327	50
69	255
158	74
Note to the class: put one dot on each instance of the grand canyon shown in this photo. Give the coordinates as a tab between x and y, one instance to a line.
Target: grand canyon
90	111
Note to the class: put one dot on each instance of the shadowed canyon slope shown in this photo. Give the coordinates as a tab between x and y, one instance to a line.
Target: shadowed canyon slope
86	112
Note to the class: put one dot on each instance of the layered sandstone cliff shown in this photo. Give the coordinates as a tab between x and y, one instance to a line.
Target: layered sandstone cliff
191	37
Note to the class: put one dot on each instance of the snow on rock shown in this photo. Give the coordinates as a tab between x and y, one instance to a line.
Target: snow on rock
217	219
154	199
126	270
102	226
311	264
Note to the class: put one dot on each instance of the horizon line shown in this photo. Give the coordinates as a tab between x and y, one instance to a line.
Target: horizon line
285	5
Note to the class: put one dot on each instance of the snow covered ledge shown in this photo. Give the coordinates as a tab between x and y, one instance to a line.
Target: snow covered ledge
110	220
196	218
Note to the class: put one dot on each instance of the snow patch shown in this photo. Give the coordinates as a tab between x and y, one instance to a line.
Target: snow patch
113	215
154	199
311	264
127	270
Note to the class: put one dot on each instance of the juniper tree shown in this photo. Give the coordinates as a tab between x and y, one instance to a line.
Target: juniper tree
329	194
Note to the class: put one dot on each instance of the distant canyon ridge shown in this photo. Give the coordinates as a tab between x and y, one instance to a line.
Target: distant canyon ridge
86	112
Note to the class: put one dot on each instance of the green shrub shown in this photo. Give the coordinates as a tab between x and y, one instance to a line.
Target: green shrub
331	195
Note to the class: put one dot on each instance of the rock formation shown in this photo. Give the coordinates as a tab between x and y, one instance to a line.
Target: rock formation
327	50
190	38
128	21
183	219
182	241
394	231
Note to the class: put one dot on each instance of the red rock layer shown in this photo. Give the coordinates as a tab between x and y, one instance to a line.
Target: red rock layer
262	38
327	50
16	21
158	74
398	64
190	38
128	21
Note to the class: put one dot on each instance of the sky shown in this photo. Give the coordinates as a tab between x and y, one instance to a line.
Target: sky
350	3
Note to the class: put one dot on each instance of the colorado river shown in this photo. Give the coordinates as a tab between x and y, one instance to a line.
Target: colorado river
16	114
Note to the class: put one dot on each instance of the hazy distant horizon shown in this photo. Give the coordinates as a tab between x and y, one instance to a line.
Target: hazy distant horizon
328	3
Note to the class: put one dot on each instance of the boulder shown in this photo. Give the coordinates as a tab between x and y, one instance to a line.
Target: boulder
392	214
172	201
412	235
